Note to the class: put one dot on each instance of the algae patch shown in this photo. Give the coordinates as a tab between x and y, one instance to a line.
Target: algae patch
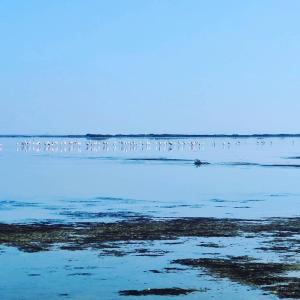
270	277
175	291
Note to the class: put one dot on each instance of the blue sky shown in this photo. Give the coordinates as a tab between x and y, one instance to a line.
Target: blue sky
149	66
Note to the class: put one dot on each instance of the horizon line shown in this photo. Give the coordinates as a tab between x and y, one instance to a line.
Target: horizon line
151	135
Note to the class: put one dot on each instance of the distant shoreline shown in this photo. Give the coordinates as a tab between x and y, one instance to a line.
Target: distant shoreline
152	136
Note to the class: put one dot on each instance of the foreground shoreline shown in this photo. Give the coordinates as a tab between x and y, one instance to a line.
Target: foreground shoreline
276	235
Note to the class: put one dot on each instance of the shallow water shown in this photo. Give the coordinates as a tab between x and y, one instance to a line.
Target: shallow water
78	180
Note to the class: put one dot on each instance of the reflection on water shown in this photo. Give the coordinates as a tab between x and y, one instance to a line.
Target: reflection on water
68	181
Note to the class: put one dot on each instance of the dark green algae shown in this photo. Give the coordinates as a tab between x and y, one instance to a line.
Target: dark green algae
278	234
175	291
42	236
75	236
245	270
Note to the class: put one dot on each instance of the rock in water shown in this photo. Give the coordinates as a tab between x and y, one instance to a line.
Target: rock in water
199	163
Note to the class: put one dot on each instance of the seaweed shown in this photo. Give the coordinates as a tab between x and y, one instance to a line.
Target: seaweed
42	236
175	291
246	270
280	235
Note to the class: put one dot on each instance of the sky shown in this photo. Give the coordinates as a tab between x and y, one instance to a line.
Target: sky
149	66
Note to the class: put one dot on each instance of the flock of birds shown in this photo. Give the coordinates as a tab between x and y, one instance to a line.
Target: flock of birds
123	145
69	145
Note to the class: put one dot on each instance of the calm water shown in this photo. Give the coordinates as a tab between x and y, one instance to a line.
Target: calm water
64	180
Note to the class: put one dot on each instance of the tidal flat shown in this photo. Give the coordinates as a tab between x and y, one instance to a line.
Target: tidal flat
117	219
111	239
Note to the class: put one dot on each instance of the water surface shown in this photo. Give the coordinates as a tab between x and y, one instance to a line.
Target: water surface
68	180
